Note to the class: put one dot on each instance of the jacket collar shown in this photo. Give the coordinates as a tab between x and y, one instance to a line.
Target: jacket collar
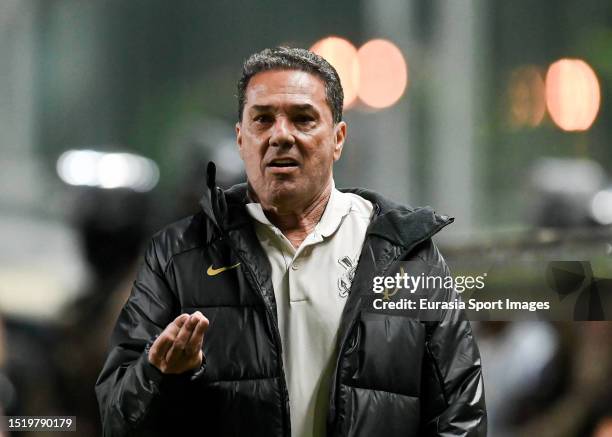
401	225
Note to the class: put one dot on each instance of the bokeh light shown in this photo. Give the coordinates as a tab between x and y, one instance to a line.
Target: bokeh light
107	170
383	73
572	94
343	56
604	428
527	97
601	207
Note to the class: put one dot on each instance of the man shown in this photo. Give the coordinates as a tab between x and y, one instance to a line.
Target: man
254	317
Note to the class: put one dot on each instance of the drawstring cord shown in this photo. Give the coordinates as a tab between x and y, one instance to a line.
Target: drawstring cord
217	207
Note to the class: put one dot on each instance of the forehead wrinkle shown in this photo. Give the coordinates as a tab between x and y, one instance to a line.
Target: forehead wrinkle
276	102
266	90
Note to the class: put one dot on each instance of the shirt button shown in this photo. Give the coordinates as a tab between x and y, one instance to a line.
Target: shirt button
295	266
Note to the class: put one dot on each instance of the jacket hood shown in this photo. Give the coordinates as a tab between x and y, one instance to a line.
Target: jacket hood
402	225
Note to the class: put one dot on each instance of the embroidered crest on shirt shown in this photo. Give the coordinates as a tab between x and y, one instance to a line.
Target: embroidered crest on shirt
346	278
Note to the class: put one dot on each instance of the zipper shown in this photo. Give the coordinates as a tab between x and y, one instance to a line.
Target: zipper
343	344
344	340
214	196
276	333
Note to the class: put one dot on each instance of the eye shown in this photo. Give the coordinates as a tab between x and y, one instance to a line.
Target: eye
263	118
303	118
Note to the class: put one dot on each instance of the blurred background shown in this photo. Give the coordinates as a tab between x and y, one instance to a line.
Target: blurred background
496	113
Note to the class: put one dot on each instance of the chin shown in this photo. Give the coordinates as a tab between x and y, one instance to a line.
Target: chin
285	196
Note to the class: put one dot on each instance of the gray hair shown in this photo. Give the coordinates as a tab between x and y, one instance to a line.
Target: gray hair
285	58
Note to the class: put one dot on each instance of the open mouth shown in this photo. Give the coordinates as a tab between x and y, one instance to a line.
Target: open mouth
283	163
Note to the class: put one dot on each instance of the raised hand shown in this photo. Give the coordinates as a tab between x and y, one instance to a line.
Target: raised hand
179	347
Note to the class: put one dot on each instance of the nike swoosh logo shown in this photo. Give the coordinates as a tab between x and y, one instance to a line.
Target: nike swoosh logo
212	271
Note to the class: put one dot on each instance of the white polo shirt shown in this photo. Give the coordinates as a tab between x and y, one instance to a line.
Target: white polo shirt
311	285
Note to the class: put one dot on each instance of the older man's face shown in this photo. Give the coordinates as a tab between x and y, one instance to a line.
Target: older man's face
287	138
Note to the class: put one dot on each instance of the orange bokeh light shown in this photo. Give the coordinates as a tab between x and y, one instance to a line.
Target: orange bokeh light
342	55
572	94
527	97
604	428
383	74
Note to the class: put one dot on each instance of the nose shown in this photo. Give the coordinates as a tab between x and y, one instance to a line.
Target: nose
281	135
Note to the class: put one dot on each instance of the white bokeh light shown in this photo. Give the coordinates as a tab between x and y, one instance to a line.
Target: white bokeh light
601	207
108	170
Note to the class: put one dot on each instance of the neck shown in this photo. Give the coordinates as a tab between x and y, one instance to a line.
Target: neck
297	224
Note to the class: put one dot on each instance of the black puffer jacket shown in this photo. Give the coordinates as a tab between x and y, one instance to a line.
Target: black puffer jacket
395	375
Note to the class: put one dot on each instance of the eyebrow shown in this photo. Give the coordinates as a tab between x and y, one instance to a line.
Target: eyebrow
300	107
305	107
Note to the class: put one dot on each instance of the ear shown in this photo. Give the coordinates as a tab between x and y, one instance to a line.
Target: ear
339	138
239	139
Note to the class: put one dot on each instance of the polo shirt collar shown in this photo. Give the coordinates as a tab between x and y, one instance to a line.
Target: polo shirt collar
338	206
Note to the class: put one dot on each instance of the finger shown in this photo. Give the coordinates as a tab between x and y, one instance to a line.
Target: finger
160	347
164	342
180	342
197	337
198	316
176	325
